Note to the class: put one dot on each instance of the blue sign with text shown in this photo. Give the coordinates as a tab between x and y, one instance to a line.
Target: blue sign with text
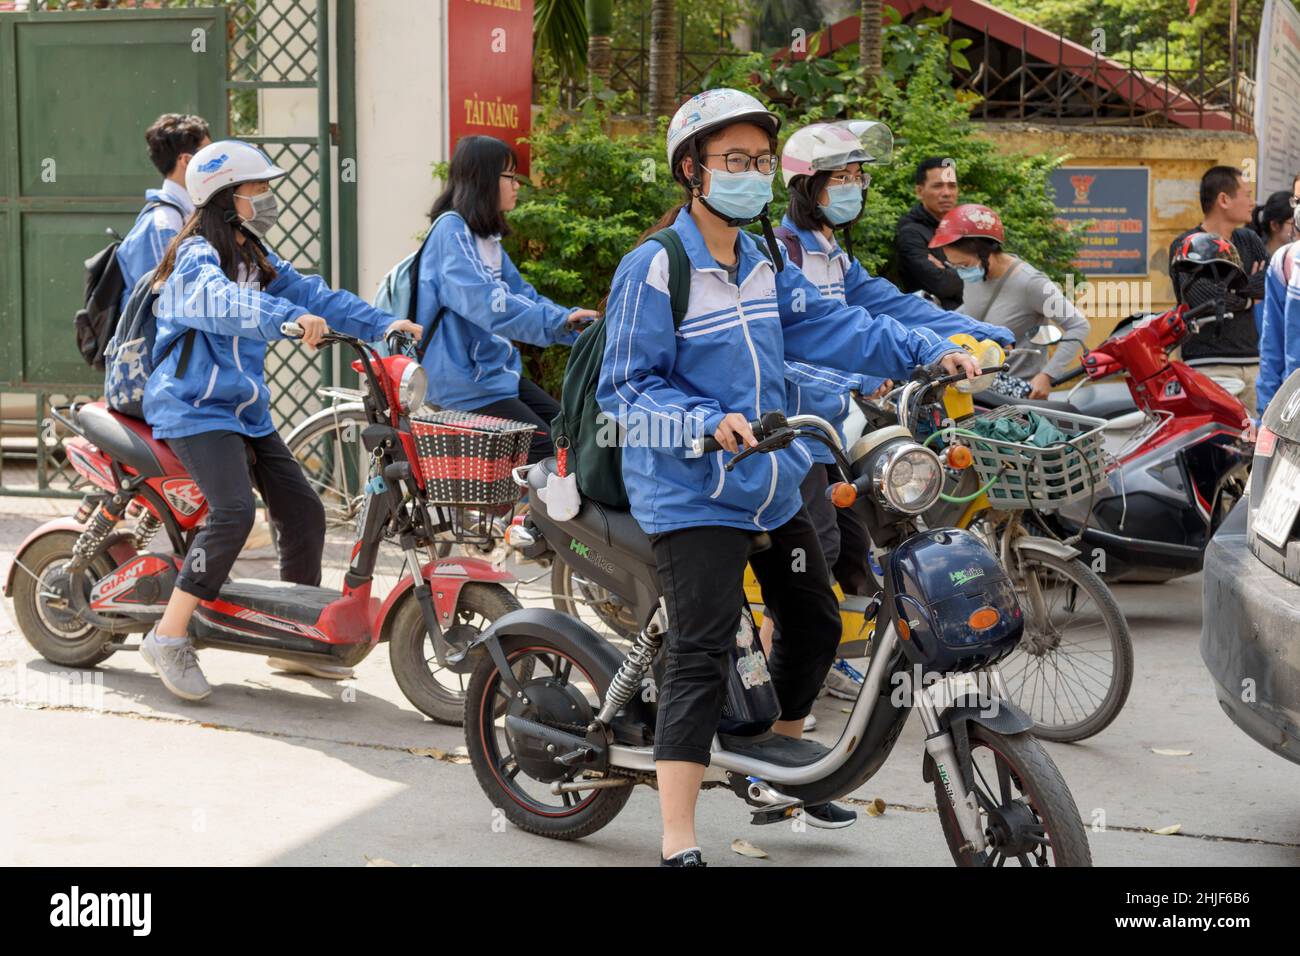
1115	200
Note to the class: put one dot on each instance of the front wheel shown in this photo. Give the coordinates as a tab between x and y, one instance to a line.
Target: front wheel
1025	808
1073	669
435	690
563	690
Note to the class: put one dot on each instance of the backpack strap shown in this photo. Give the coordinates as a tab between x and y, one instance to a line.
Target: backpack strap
679	273
793	245
411	310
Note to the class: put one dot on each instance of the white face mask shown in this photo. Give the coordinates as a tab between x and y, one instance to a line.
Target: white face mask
266	211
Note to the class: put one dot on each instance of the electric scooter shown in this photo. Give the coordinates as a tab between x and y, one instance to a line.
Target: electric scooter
559	750
82	585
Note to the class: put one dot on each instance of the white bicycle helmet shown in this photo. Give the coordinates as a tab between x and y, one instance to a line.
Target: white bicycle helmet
876	139
817	148
712	109
226	163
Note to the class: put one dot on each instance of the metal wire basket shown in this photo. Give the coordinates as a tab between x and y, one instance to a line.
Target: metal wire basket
467	459
1043	479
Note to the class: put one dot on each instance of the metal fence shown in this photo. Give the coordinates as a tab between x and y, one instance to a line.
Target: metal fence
277	63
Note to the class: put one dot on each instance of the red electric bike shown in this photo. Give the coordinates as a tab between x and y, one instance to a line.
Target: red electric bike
82	585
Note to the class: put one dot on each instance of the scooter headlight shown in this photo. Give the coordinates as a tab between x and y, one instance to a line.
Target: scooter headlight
413	387
908	477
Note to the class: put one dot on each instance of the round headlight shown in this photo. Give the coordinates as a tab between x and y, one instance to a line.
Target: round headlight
414	385
908	477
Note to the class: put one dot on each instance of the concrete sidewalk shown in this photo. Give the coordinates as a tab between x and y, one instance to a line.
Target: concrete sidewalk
275	769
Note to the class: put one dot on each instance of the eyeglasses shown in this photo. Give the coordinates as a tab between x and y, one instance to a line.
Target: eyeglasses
861	180
738	162
515	178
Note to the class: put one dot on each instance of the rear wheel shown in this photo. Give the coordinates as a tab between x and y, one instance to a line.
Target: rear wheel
580	598
1073	669
439	691
41	608
1026	810
564	692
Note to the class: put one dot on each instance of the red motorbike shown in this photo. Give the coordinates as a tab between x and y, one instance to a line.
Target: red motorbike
83	585
1179	473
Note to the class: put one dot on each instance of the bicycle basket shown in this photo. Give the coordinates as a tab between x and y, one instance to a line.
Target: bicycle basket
466	459
1044	479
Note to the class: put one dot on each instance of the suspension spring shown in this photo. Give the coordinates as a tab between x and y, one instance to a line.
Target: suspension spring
84	551
628	679
146	528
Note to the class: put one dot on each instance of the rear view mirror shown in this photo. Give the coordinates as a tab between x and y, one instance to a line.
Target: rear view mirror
1046	335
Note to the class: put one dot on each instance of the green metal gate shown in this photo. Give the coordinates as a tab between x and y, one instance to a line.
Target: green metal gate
77	89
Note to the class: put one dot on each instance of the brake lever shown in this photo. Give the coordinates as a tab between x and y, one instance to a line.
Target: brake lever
778	439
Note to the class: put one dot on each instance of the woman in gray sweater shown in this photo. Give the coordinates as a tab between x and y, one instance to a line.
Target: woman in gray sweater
1007	291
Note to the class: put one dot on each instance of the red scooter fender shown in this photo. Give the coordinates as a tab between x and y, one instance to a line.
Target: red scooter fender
446	577
120	546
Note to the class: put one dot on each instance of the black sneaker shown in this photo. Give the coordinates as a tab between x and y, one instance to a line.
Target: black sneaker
828	816
691	857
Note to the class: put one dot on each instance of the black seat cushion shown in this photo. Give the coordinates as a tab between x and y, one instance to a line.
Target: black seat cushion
127	440
991	399
613	526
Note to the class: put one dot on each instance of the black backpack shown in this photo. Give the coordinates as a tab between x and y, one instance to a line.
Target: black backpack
599	467
96	321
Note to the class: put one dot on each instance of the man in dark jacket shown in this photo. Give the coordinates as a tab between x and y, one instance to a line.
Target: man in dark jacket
919	266
1229	348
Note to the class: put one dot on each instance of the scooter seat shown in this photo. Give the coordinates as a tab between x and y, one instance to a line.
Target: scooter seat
128	440
613	526
775	748
990	399
292	602
1108	400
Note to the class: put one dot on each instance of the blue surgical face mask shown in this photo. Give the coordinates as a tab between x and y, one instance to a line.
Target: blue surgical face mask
970	273
738	195
845	204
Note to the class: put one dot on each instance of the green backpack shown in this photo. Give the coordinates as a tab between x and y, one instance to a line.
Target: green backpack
599	467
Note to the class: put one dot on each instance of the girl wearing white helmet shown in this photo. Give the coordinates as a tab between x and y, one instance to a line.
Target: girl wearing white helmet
825	168
710	375
223	297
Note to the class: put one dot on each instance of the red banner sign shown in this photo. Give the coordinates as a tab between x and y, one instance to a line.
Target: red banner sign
490	70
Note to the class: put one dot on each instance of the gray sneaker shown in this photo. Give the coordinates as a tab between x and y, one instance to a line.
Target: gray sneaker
177	665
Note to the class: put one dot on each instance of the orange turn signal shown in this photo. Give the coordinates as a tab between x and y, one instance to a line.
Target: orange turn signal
904	631
983	619
843	494
959	457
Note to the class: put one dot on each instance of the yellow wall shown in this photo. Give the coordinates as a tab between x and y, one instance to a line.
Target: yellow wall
1176	158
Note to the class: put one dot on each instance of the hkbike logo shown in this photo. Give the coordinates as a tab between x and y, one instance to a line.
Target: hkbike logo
183	495
1082	186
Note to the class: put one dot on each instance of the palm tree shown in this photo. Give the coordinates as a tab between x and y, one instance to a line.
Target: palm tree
663	57
869	36
560	28
600	19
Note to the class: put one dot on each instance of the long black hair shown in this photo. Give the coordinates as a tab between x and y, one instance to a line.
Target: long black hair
474	184
219	223
1277	208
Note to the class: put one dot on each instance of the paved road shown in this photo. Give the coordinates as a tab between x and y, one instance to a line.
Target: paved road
275	769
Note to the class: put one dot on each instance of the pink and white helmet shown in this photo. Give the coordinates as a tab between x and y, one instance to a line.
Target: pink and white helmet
712	109
819	147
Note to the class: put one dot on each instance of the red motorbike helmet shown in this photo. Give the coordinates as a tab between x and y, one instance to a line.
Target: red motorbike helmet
967	221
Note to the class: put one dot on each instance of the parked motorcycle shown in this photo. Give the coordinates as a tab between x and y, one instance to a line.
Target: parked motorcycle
82	585
577	733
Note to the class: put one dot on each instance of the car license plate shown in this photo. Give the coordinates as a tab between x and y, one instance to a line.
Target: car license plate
1281	500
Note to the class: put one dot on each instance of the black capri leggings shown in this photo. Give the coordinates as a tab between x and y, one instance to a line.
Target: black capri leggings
533	406
702	572
226	466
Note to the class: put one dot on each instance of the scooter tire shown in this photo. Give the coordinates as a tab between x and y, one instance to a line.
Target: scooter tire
93	645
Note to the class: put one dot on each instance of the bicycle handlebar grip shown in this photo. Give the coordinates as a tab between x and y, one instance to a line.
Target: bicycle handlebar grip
708	444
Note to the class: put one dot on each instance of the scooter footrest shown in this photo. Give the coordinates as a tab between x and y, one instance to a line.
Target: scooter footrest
766	815
293	602
775	748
